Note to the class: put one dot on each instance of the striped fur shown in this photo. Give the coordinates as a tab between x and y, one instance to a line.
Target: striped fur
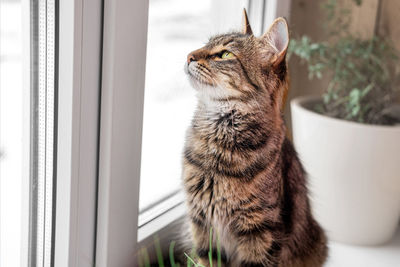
241	174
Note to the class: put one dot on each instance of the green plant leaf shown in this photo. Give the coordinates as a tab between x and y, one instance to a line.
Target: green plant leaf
367	90
210	256
145	256
158	252
171	254
365	73
355	111
192	261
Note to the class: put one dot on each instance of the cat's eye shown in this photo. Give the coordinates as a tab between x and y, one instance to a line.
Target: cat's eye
227	55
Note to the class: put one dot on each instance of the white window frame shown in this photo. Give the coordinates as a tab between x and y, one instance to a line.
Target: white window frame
102	55
124	61
79	69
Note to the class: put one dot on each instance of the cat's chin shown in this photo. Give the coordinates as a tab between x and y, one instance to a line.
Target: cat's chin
199	85
194	82
208	92
212	97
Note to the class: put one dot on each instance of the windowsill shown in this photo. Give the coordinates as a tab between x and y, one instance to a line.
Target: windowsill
160	216
387	255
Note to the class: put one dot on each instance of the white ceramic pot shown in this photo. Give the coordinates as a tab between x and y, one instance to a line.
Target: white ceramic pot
354	174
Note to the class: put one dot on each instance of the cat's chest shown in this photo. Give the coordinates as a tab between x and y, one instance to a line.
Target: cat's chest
229	132
219	210
211	194
214	138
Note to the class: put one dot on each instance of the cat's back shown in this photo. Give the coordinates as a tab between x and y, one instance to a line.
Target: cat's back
306	244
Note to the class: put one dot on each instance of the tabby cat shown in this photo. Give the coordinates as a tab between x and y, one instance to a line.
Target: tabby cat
241	174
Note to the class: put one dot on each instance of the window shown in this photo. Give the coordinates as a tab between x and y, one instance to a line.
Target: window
175	28
14	144
28	89
49	131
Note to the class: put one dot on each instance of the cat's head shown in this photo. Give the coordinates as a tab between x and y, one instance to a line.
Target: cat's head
239	65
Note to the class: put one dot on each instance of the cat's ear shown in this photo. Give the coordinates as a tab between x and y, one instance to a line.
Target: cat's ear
246	29
278	37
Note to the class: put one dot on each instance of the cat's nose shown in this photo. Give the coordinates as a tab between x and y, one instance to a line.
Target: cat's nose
190	58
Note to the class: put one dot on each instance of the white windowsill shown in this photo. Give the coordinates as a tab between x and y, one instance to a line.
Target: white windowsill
160	216
340	255
387	255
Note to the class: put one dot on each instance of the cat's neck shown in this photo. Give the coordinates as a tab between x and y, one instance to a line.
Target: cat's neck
213	109
211	105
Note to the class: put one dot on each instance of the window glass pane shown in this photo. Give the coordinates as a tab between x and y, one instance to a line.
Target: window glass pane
27	101
175	28
13	143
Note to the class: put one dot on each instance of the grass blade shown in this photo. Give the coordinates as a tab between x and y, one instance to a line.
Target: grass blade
189	261
192	261
171	254
210	248
140	260
219	260
146	258
158	252
192	255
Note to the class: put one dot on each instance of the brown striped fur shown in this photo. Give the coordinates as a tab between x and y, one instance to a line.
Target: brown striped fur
241	174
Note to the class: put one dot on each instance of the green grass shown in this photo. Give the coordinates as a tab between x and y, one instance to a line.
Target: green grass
144	259
171	255
191	261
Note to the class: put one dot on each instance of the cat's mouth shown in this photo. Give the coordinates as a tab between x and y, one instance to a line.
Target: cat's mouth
198	75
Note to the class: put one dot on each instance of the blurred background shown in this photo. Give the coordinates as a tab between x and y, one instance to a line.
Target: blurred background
307	18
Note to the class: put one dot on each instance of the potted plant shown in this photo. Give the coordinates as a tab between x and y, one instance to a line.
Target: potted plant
348	139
